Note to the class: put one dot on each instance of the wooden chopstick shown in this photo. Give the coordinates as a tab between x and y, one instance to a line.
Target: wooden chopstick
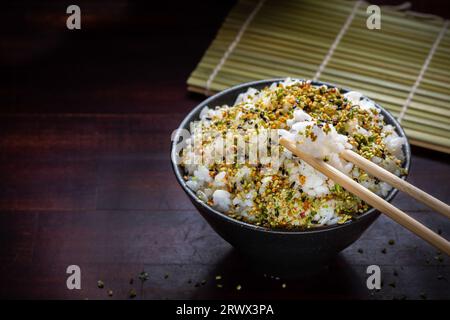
396	182
369	197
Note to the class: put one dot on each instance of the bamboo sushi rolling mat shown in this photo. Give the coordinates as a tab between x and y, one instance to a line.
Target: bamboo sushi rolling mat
404	66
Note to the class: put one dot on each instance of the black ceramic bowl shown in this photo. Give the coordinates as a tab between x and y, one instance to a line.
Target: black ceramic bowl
279	245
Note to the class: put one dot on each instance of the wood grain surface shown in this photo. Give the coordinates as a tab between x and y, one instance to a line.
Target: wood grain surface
85	124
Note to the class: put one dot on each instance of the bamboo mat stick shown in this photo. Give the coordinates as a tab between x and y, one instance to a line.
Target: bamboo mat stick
394	49
369	197
431	146
396	182
270	53
302	43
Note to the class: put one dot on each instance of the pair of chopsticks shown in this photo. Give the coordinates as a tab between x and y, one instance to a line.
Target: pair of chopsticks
375	201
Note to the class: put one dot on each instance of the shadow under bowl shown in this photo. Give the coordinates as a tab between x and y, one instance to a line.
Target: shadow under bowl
280	247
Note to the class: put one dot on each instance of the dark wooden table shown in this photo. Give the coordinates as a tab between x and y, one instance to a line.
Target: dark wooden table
85	125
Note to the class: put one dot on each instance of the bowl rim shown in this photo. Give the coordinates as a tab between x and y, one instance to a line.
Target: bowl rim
244	86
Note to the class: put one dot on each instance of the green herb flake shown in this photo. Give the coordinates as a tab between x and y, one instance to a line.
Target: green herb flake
440	259
143	276
132	293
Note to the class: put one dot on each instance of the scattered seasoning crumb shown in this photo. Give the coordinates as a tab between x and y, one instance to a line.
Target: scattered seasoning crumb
439	231
428	261
391	242
219	285
203	282
218	277
283	285
277	278
384	251
239	287
166	276
143	276
395	273
392	284
100	284
131	280
132	293
423	296
360	250
197	285
110	293
189	281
